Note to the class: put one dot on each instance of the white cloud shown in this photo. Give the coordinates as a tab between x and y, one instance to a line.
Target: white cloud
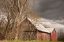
60	21
51	23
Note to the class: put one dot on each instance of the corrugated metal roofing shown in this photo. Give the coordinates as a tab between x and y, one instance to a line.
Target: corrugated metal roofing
50	29
41	27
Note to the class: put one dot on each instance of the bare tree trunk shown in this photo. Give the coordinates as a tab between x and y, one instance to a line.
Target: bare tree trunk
19	18
11	9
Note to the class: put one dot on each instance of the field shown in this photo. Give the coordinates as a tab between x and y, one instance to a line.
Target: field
27	41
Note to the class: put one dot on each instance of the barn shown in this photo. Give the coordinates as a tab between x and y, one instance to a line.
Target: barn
32	30
43	35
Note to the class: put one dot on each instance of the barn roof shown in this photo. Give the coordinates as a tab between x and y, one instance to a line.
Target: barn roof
40	27
50	29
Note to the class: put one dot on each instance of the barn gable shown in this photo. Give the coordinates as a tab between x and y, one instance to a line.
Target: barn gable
27	31
53	35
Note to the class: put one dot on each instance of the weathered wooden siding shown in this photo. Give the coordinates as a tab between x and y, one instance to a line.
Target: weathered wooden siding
46	36
43	36
27	31
39	35
53	35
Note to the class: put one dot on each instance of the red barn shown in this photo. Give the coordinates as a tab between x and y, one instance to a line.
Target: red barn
43	35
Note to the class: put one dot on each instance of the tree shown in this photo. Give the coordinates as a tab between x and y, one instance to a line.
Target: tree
61	35
12	11
2	28
16	11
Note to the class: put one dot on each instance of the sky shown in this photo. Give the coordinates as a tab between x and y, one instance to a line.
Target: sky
52	11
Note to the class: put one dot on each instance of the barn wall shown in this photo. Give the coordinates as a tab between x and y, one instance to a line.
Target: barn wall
39	35
43	36
53	35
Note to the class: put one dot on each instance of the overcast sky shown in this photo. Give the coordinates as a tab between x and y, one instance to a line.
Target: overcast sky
51	10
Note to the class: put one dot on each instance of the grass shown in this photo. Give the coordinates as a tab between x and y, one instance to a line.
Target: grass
30	41
27	41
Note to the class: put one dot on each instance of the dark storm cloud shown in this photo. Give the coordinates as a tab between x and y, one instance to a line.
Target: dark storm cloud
50	9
